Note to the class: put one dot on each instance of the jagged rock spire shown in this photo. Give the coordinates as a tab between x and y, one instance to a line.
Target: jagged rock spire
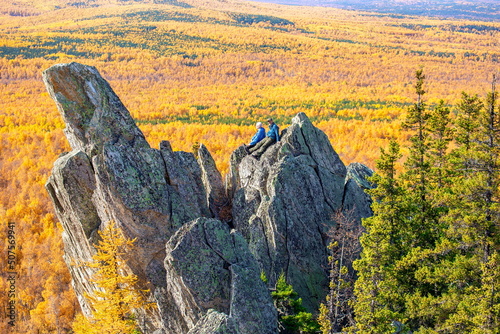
113	174
284	201
93	113
203	274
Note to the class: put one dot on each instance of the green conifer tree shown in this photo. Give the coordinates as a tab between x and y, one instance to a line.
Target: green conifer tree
420	226
467	121
473	222
448	275
395	269
484	201
293	317
460	272
421	267
379	300
441	134
443	217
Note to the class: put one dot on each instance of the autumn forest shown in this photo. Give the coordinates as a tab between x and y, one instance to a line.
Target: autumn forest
204	72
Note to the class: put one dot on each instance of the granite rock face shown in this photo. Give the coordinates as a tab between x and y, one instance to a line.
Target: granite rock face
283	204
216	191
71	187
355	197
209	268
212	322
113	174
201	243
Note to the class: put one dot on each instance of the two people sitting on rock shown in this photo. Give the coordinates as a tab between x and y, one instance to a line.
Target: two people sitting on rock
261	146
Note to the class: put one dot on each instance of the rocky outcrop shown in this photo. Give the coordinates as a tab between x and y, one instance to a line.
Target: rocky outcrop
217	199
209	267
113	174
283	204
71	187
184	174
212	322
201	244
356	200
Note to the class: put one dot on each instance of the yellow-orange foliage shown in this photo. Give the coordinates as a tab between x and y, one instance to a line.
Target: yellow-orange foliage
113	305
208	82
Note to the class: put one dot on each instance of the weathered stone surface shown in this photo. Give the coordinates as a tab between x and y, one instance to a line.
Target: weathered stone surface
75	177
210	267
233	177
283	205
212	179
212	322
70	187
113	174
203	276
93	114
355	197
184	174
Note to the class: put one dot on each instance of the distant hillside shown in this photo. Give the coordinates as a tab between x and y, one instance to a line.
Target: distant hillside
485	10
488	10
36	7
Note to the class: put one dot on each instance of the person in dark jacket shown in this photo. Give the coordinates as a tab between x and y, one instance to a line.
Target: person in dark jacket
272	136
258	136
274	130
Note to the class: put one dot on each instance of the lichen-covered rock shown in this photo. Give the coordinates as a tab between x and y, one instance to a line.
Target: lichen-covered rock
113	174
213	322
71	187
184	174
203	276
217	199
356	200
209	267
233	182
283	206
93	113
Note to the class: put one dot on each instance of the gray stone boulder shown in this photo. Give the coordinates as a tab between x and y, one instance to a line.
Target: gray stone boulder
185	175
283	205
113	174
356	200
217	199
213	322
215	280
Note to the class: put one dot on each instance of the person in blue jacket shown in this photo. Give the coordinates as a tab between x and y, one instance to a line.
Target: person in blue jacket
258	136
272	136
274	130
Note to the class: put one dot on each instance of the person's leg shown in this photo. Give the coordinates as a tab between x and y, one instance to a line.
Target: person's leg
250	146
258	145
257	153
